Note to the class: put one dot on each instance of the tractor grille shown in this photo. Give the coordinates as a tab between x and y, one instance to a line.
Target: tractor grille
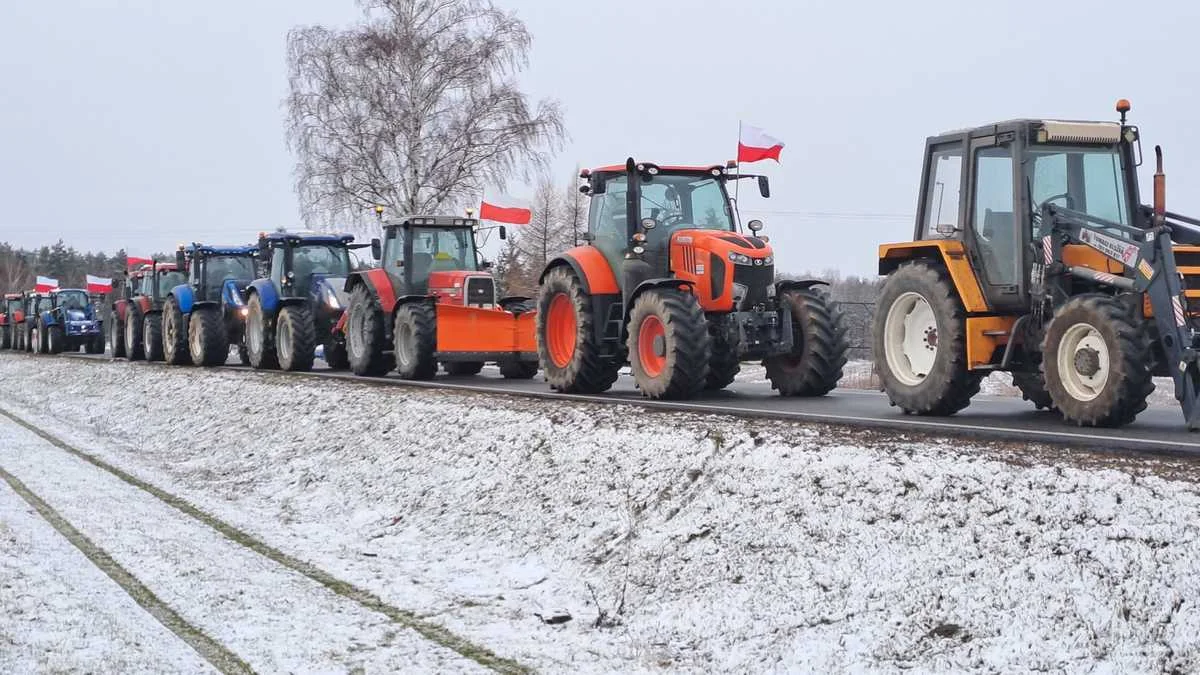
481	291
757	279
716	269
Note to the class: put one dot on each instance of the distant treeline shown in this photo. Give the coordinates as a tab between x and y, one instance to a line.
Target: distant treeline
19	267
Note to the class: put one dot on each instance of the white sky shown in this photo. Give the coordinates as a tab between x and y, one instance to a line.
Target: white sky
144	123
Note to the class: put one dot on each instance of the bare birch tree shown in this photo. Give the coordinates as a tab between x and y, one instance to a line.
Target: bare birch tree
416	108
574	209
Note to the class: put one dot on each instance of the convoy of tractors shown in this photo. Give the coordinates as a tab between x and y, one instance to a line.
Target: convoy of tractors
1032	255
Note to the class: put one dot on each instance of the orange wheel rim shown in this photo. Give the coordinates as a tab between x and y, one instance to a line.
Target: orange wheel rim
561	330
652	353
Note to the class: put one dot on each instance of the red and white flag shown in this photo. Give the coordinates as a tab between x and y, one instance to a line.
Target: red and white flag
756	145
98	284
505	209
45	284
132	262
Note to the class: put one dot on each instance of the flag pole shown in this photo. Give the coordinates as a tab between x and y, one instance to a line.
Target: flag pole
737	182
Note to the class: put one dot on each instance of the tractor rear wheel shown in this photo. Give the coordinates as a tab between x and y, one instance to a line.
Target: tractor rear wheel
814	366
5	337
415	334
133	336
208	345
1033	389
1097	361
116	336
668	344
723	364
152	336
518	370
920	342
568	353
260	342
463	367
37	338
365	338
295	338
175	335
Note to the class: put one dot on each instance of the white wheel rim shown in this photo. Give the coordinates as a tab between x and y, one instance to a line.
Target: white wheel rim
910	338
128	333
405	341
357	326
283	341
1083	362
254	334
194	339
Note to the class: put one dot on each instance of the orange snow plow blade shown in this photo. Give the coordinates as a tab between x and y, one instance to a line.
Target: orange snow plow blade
490	334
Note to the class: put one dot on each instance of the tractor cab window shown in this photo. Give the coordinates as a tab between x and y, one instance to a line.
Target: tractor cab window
278	257
438	249
1081	179
942	193
72	299
217	269
146	286
168	279
393	250
685	202
327	260
995	230
13	306
44	304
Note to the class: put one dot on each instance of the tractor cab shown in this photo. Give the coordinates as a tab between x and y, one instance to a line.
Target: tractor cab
437	256
652	221
156	280
217	272
307	264
12	308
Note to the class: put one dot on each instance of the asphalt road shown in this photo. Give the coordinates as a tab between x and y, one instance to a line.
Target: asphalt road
1158	430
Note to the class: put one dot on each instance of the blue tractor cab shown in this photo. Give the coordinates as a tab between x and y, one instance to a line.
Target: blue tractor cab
203	317
299	300
67	320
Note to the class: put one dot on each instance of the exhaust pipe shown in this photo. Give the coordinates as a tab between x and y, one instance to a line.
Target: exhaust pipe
1160	188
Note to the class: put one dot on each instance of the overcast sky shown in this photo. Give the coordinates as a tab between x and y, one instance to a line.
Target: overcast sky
145	123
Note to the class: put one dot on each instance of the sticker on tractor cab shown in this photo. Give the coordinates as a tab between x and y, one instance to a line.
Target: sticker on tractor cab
1146	270
1112	247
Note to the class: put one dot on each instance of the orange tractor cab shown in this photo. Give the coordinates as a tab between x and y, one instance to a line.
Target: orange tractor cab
12	316
668	284
432	300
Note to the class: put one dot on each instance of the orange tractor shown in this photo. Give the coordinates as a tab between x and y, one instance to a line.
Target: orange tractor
433	301
667	284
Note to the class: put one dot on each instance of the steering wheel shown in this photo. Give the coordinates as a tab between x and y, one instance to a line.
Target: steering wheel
672	219
1064	196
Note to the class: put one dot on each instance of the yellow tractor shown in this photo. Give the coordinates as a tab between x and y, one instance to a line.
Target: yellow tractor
1033	255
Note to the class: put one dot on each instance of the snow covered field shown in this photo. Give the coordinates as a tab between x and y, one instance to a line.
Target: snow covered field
673	542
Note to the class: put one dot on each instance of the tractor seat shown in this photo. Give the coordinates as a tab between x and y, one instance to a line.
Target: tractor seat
421	264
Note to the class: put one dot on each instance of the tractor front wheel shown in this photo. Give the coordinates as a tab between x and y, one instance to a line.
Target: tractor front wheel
723	364
365	339
116	336
260	342
208	345
152	335
55	340
568	352
814	365
1097	361
133	336
920	342
175	335
415	334
669	347
295	338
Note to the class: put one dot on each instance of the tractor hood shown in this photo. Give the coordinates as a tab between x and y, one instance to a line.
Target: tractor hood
730	271
76	315
729	246
329	291
233	292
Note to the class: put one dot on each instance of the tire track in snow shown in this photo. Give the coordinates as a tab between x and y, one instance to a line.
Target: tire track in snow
432	632
214	652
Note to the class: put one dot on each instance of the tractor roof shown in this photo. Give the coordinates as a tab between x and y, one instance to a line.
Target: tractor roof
306	236
63	290
12	296
161	267
432	221
668	168
212	249
1048	131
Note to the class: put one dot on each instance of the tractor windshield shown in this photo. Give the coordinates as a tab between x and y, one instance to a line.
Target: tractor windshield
219	268
673	201
442	249
13	306
331	260
71	299
1080	178
168	279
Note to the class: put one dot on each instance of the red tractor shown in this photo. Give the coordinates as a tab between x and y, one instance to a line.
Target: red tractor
433	301
12	318
668	284
135	323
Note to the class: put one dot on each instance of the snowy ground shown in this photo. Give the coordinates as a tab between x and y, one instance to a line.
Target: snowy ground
674	542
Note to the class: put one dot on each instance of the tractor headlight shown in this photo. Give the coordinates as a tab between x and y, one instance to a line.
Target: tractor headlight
331	298
769	260
243	311
739	258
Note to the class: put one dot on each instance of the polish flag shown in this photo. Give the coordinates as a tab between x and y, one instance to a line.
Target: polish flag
505	209
756	145
132	262
45	284
98	284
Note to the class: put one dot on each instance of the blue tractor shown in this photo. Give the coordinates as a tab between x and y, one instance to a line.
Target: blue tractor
205	316
67	320
300	301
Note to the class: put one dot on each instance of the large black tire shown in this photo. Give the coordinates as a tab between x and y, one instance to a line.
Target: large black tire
5	337
1097	332
415	346
94	344
260	337
366	339
1033	389
948	385
116	336
463	367
295	338
336	356
518	370
243	355
208	344
723	361
668	344
152	336
814	366
55	340
578	367
134	340
29	336
175	335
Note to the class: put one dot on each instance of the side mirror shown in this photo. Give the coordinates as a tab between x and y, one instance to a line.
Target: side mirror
587	236
503	233
764	187
376	248
755	226
946	229
485	265
180	261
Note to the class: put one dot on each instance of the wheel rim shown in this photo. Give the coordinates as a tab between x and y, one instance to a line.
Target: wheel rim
406	344
358	323
652	346
1083	362
37	341
194	340
910	338
254	332
283	340
170	329
128	333
561	330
